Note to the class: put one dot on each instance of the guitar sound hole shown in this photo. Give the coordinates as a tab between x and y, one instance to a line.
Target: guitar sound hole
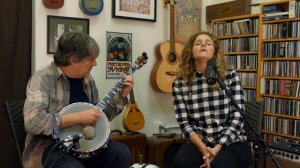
172	57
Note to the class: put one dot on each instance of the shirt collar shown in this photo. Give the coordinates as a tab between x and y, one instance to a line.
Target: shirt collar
58	71
60	74
198	74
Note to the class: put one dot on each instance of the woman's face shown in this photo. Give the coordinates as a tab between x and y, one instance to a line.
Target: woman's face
203	47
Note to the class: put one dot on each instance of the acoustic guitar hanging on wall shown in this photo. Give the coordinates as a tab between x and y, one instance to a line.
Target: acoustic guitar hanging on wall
133	118
165	70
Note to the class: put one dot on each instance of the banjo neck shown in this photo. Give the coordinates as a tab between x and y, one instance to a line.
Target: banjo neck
110	95
116	89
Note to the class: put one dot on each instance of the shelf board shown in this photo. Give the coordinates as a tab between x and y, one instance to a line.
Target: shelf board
281	59
280	39
282	116
234	18
237	36
280	20
241	53
249	87
245	70
281	77
281	97
282	135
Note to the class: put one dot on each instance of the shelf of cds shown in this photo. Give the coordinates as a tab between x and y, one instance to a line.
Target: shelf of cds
238	38
279	70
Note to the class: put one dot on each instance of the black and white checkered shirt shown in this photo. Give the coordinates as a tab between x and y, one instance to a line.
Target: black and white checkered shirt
207	110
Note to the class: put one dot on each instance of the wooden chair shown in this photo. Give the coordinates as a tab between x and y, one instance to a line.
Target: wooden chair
253	113
15	113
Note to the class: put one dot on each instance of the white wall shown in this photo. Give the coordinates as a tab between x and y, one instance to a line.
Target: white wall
156	107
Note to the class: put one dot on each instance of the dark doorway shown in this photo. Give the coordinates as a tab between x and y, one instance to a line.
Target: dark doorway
15	59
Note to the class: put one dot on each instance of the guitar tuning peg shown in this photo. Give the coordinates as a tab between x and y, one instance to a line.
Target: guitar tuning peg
144	56
166	2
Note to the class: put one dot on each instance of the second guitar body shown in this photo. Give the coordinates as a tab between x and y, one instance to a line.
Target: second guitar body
165	70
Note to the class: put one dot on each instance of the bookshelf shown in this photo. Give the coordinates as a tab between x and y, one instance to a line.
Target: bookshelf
239	38
279	70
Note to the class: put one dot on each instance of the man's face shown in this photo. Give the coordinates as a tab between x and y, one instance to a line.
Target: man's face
83	68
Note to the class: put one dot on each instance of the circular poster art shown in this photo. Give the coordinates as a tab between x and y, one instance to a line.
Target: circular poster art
119	50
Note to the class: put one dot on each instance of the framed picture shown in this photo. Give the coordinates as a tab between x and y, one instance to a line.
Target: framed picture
119	54
188	19
57	25
134	9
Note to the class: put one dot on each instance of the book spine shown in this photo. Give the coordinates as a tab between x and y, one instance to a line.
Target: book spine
292	5
262	86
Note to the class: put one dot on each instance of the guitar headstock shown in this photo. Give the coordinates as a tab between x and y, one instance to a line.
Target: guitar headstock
171	2
141	60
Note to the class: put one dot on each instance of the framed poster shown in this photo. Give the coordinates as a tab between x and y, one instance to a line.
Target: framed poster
134	9
57	25
119	54
187	19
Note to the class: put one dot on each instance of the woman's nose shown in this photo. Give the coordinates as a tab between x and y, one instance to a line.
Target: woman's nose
95	63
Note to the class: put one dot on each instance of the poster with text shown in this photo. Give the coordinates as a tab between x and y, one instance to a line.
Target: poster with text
188	19
119	54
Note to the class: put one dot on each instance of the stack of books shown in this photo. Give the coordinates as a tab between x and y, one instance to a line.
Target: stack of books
294	11
272	12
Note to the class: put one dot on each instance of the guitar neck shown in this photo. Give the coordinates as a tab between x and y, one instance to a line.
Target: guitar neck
116	89
132	99
172	27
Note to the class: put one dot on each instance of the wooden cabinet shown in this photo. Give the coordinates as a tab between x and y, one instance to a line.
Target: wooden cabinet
162	151
136	142
238	38
279	70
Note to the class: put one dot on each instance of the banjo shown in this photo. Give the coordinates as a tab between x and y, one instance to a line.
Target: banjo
88	147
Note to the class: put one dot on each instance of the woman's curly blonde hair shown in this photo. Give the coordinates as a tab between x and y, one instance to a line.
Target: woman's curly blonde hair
187	62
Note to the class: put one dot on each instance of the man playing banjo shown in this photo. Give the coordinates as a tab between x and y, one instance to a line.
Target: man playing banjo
65	81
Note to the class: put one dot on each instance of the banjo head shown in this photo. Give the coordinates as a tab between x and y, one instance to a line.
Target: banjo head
86	148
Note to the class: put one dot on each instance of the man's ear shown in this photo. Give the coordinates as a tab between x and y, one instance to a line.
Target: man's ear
73	60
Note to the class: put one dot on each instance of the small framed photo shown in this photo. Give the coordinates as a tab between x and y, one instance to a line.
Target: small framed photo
137	10
57	25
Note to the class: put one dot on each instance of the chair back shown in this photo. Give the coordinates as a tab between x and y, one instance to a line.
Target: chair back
253	113
15	113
